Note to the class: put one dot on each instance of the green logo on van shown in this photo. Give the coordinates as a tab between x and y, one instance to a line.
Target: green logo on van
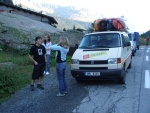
94	54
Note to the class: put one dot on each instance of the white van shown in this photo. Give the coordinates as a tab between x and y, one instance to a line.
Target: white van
102	55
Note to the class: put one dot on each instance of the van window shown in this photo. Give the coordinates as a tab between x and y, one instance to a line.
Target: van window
125	39
130	36
103	40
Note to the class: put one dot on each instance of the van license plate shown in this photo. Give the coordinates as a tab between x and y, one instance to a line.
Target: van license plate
92	73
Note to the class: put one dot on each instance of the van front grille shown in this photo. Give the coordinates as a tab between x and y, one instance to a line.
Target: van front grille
94	62
93	68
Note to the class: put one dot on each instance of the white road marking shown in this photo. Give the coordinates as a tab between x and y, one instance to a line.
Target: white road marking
142	48
147	58
147	51
147	79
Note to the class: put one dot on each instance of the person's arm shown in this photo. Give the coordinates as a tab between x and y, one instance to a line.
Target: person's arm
44	52
31	58
45	57
55	47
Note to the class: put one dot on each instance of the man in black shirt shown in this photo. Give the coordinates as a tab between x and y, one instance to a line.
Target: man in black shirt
37	54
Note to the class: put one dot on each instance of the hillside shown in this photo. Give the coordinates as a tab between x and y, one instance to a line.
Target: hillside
7	1
82	16
19	32
67	24
146	34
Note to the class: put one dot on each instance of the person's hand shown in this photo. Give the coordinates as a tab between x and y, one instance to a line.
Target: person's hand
35	63
60	41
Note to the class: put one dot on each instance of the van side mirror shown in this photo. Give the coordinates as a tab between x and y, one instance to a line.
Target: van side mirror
127	44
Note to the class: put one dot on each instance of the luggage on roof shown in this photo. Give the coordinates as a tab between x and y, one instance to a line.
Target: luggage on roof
110	24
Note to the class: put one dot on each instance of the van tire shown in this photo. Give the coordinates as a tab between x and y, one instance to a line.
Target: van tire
130	65
133	53
122	79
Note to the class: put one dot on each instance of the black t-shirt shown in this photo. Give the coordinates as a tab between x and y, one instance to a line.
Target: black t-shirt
38	53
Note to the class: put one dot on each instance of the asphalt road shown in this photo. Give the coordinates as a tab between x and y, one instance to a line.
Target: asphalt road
89	96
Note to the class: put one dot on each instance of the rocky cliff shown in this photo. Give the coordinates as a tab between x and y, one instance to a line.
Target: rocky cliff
19	32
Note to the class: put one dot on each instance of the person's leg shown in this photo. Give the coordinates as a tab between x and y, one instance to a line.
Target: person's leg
39	80
32	85
32	82
48	63
64	78
59	71
41	70
33	78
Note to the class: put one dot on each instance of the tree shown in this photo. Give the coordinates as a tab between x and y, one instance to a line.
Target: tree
19	5
41	12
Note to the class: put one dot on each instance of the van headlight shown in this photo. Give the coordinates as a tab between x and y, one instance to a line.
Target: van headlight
114	60
74	61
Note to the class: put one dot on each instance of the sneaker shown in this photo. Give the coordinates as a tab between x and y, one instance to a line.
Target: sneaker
60	95
32	87
47	73
40	86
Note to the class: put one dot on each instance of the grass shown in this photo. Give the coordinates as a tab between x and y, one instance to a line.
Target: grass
12	80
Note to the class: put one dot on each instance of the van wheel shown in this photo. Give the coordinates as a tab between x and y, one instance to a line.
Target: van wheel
133	53
122	79
130	65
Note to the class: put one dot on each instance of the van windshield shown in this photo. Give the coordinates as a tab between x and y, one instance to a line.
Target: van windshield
103	40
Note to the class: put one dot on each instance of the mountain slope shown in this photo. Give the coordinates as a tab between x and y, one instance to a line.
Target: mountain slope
7	1
18	32
68	12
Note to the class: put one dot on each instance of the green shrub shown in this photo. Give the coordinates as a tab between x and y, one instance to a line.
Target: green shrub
142	41
12	80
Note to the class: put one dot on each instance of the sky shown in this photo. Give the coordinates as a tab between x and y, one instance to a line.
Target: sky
135	12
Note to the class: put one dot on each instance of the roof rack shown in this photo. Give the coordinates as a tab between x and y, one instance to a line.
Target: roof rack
110	24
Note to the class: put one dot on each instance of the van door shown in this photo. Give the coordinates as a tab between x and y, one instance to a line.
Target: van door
126	51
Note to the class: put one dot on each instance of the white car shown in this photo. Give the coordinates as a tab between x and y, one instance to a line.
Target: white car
133	43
